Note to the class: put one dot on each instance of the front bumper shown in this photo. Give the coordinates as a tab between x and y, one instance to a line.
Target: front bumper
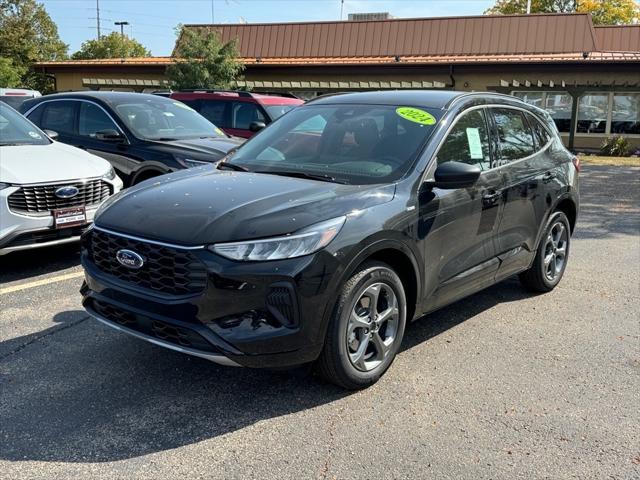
253	314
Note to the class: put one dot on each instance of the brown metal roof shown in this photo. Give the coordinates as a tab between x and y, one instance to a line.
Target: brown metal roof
619	38
480	35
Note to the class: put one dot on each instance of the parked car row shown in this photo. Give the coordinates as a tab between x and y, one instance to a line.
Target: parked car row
53	189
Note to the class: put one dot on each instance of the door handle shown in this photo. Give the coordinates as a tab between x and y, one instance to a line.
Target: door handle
547	177
81	147
491	197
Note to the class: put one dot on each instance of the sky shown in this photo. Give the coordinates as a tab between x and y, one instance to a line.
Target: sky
153	22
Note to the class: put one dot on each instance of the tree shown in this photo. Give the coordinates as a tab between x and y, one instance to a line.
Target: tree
201	60
28	35
10	75
603	12
113	45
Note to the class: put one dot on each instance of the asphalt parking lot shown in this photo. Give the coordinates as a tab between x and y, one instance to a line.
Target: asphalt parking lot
502	385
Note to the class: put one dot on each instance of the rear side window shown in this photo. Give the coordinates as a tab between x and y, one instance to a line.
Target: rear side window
59	116
541	134
93	119
243	113
468	141
214	111
515	138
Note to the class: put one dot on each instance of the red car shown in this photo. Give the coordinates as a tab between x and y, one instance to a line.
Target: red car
240	114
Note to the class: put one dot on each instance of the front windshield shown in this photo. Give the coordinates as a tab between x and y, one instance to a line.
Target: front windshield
157	118
276	111
17	130
354	144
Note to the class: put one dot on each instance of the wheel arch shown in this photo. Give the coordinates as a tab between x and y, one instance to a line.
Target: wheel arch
146	172
567	206
400	258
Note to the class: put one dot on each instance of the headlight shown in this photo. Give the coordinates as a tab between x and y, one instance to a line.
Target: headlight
110	175
190	162
4	185
302	242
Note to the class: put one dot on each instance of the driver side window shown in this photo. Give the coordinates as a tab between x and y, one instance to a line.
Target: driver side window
93	119
467	142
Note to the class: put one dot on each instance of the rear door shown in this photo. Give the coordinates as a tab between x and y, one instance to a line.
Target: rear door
461	225
59	116
527	170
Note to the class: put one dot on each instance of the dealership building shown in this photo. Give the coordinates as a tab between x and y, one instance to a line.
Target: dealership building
587	77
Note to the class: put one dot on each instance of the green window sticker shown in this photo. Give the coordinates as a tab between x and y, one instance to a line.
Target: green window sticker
416	115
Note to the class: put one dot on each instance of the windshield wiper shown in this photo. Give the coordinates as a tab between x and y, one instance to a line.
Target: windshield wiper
232	166
293	173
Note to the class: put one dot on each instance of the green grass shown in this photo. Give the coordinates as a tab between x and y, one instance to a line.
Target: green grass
616	161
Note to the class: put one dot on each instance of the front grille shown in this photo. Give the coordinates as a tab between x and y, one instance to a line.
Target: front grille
165	269
184	337
41	199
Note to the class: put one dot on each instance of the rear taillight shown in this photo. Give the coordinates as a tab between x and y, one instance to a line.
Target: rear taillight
576	163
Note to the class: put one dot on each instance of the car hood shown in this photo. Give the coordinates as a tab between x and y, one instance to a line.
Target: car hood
219	146
22	164
204	205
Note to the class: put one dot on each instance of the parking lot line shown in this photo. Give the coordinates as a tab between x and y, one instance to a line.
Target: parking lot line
39	283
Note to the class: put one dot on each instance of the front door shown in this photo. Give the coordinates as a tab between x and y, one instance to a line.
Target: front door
92	119
459	226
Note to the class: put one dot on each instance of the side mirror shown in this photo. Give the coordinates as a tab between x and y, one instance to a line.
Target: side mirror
451	175
109	135
256	126
51	134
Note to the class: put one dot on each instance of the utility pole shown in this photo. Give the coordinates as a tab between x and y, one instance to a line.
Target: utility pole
341	8
98	17
528	7
122	24
213	17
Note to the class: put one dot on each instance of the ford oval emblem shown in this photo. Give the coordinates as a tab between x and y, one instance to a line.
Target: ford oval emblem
129	259
68	191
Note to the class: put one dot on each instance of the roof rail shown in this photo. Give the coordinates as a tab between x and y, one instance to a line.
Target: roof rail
241	93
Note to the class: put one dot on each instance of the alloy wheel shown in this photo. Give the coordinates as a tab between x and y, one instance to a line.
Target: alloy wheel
555	251
372	327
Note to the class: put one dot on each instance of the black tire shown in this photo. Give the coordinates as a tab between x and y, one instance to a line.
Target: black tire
536	278
335	364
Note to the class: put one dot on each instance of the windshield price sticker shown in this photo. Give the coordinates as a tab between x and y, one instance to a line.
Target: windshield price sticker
475	144
416	115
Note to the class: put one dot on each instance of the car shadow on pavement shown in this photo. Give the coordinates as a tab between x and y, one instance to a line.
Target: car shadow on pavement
29	263
90	394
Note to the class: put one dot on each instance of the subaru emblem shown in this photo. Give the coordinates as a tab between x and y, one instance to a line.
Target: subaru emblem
68	191
129	259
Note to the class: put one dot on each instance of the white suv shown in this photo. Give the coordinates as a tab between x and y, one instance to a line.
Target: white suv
49	192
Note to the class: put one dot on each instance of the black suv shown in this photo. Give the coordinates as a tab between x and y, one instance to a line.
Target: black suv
142	135
319	239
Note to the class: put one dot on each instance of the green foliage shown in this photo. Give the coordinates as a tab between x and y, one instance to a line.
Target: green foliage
201	60
113	45
615	146
10	74
28	35
603	12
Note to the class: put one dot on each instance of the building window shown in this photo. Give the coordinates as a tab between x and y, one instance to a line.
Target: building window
558	104
593	110
625	113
